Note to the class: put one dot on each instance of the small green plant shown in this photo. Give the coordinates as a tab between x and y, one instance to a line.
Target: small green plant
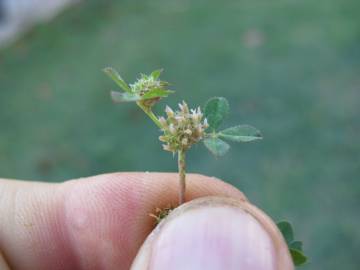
295	246
184	127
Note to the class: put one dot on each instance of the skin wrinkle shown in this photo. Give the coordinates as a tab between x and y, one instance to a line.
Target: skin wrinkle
35	224
114	205
64	236
28	225
124	202
74	219
41	226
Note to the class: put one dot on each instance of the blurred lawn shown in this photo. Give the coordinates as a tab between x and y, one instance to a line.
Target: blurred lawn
290	68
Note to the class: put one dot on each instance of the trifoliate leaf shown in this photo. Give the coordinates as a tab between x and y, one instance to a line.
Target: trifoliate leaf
114	75
298	257
287	231
215	111
154	93
241	133
156	73
124	97
216	146
296	245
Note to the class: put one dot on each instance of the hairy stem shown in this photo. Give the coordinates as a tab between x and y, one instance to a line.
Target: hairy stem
152	116
182	176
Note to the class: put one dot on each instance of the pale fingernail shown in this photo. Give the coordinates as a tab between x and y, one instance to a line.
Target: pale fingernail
212	238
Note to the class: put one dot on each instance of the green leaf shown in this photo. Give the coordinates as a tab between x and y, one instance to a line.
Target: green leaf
114	75
241	133
296	245
215	111
298	257
216	146
124	97
287	231
156	73
157	93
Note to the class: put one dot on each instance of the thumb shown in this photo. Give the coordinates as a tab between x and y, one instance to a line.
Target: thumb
215	233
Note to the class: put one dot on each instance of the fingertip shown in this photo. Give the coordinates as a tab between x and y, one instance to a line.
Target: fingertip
215	233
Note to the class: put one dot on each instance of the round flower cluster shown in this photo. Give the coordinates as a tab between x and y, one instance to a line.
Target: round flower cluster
182	128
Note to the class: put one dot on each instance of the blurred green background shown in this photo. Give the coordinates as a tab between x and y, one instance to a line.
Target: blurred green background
290	68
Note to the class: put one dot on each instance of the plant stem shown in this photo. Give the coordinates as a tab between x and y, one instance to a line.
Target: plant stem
152	116
182	175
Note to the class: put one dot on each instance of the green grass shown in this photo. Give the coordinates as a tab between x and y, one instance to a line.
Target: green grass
290	68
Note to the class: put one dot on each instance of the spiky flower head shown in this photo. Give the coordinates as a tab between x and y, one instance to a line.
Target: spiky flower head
146	84
182	128
146	91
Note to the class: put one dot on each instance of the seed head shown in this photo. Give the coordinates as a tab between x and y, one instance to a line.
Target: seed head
182	128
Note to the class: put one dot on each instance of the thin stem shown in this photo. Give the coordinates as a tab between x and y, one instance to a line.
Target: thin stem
152	116
182	176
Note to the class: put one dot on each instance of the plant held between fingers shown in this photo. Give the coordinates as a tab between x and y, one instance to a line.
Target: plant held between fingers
184	127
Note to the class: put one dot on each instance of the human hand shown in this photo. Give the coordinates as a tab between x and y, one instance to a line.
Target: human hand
100	223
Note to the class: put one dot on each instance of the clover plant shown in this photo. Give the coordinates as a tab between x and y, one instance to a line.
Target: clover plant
183	127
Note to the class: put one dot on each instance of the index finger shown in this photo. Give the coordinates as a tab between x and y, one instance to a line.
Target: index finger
94	223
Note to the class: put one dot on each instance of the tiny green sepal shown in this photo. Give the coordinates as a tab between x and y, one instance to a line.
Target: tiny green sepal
241	133
216	109
156	73
119	97
295	247
115	76
216	146
155	93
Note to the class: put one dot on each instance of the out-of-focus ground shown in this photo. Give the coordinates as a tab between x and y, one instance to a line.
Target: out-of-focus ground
18	16
290	68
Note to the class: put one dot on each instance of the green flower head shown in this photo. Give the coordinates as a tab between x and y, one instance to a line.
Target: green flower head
146	91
